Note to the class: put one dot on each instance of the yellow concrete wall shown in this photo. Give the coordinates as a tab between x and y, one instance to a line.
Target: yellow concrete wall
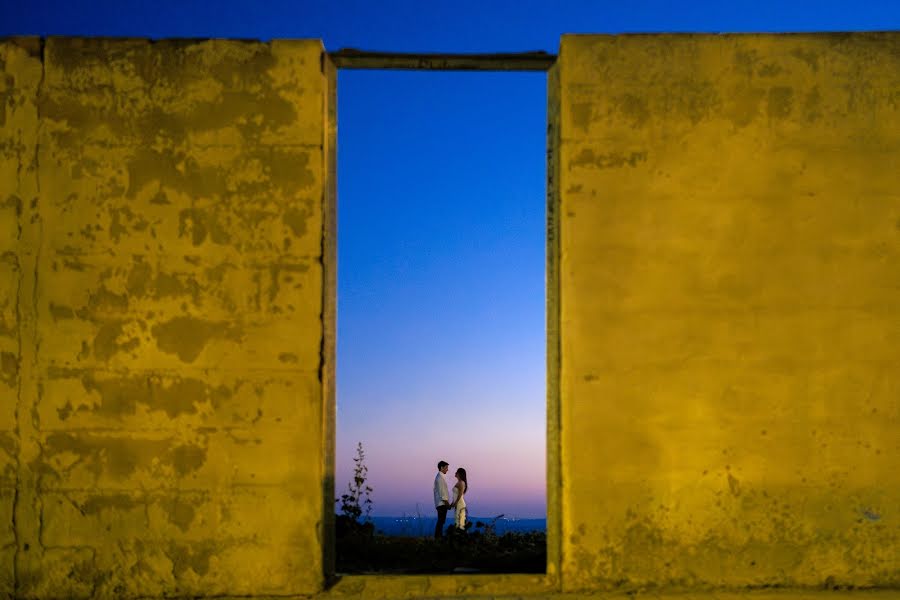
730	311
724	232
20	74
161	317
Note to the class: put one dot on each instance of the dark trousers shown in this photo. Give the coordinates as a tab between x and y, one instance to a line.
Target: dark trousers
442	517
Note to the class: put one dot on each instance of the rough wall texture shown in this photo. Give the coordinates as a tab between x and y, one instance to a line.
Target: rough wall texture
160	317
730	311
728	218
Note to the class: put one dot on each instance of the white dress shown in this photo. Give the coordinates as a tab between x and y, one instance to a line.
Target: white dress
460	501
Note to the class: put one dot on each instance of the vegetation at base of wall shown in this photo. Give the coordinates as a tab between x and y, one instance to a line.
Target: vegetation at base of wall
357	502
477	550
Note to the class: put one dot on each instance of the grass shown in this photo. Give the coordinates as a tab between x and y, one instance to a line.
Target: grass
478	550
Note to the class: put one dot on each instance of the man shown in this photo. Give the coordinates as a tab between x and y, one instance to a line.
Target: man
441	499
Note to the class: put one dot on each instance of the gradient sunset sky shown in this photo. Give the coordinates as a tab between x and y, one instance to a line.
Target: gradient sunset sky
441	192
441	345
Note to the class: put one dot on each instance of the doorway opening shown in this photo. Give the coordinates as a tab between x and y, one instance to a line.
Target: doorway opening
442	313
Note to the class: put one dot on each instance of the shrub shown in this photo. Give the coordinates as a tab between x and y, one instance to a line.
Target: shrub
357	503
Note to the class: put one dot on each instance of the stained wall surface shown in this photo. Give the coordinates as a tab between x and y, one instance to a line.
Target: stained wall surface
724	260
161	317
730	311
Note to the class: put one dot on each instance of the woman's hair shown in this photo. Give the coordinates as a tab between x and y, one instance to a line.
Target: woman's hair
462	477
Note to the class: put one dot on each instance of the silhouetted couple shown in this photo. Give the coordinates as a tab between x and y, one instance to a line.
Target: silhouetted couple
442	498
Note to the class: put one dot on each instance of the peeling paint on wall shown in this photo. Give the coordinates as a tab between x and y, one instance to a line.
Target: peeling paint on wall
163	209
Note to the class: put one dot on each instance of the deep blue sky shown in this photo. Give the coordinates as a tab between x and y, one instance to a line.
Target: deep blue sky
436	25
441	211
441	346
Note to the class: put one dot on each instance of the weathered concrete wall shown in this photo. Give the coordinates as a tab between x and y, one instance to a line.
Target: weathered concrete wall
20	75
730	311
724	234
161	317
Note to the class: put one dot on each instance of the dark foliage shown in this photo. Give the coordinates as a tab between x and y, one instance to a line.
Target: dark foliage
476	551
358	499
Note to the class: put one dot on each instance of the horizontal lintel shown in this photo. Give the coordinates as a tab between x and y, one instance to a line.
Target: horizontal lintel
520	61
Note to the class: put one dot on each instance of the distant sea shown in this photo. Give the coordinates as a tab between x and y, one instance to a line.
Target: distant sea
424	526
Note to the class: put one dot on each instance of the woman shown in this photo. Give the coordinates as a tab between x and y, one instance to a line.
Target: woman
459	499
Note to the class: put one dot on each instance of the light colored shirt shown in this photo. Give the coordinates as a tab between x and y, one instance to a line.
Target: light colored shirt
441	495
